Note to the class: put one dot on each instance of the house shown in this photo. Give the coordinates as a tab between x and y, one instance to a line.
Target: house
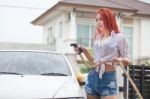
74	21
71	21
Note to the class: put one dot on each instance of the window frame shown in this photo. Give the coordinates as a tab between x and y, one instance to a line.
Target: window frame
90	31
132	35
50	35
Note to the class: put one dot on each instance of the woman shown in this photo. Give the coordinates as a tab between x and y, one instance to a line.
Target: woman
110	47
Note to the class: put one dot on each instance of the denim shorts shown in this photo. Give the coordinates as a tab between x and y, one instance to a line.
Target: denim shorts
107	86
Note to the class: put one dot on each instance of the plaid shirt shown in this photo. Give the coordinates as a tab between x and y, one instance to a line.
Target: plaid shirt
112	47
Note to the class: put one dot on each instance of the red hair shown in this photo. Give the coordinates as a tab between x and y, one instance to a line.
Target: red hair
108	20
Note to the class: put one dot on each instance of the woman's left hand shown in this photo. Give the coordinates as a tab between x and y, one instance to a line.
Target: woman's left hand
118	59
125	61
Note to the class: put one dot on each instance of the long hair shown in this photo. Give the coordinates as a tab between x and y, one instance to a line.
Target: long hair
108	20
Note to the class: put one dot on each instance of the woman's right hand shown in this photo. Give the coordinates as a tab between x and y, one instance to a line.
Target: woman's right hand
76	49
79	49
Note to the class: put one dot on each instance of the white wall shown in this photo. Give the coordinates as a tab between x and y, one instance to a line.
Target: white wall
69	31
145	37
54	23
86	20
136	50
61	44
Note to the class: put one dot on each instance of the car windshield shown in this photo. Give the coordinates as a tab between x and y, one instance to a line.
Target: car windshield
33	63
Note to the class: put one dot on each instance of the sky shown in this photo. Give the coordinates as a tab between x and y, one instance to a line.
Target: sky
148	1
15	18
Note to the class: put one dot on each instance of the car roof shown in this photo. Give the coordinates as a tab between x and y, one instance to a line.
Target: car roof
25	50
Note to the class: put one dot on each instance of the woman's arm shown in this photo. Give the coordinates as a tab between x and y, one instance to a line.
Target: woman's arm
88	56
126	61
86	53
124	52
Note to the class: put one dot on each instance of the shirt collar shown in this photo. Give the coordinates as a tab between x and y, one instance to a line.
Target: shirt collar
112	33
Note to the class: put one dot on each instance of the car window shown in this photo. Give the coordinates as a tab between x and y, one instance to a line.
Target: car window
33	63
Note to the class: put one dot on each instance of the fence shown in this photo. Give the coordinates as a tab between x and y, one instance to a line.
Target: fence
141	77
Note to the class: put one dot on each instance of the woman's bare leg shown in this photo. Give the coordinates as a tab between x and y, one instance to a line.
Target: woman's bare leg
93	97
109	97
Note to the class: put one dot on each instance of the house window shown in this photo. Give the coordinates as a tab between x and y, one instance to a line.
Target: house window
84	34
128	31
60	29
50	37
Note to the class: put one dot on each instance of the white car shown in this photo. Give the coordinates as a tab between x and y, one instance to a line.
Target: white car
37	74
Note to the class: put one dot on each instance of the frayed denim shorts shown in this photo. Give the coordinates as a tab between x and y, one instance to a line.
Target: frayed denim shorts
107	86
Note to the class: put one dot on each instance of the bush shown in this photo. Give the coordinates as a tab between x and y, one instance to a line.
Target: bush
84	69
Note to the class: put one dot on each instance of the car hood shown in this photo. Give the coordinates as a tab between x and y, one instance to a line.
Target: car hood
27	86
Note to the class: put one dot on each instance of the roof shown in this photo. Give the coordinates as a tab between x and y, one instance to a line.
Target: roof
99	3
141	7
137	7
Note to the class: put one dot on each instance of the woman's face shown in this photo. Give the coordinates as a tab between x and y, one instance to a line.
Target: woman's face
100	24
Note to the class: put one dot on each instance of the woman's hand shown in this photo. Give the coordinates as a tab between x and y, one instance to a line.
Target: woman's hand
125	61
79	49
118	59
